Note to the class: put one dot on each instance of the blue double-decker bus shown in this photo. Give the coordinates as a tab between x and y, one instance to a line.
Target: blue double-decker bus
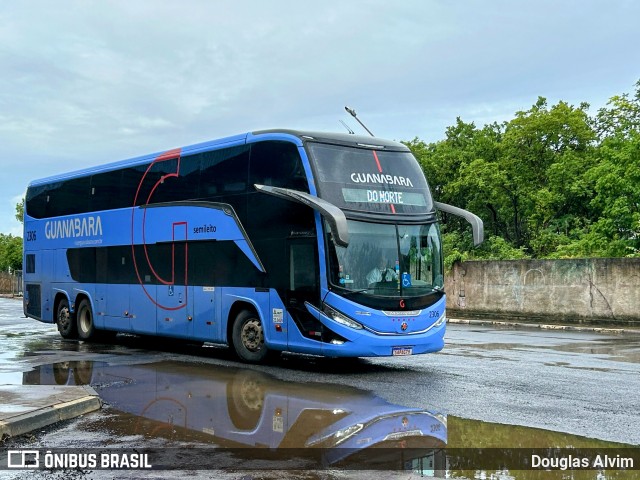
269	241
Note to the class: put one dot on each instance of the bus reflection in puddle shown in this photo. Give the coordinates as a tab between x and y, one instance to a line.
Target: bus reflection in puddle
234	408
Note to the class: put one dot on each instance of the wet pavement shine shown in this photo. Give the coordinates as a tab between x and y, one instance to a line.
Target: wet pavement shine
493	390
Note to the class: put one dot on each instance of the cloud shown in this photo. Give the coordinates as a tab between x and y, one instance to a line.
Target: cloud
15	227
87	82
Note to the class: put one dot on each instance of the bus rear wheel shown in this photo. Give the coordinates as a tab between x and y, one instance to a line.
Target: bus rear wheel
248	337
86	327
65	321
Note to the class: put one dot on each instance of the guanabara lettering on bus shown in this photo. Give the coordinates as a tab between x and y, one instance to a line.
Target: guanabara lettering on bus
73	227
380	178
269	241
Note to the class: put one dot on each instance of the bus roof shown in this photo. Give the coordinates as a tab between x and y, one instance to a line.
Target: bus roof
299	135
338	138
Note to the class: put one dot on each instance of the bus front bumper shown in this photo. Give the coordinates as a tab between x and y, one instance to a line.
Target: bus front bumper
363	343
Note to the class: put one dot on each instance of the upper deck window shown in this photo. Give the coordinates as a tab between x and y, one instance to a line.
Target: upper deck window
371	180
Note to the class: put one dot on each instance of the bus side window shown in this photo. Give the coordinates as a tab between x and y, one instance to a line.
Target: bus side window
64	199
30	266
36	202
224	172
180	188
303	271
277	164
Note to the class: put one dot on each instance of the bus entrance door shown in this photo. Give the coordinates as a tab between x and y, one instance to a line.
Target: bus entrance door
303	285
206	326
173	302
112	290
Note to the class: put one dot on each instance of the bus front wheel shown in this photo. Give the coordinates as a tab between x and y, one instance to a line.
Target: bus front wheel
86	327
248	337
65	321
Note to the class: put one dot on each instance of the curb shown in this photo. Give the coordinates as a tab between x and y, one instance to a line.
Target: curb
538	326
53	412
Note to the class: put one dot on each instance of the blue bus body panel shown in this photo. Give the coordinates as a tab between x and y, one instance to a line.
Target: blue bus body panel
364	343
154	304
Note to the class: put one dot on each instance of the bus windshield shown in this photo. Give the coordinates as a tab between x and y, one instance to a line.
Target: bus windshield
387	260
367	180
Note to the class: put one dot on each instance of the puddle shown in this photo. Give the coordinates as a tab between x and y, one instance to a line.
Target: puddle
250	416
10	378
618	349
234	408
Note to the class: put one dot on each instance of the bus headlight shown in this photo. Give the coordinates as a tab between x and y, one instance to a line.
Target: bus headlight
342	435
337	438
340	318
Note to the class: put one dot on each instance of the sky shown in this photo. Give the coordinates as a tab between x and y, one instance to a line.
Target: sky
89	82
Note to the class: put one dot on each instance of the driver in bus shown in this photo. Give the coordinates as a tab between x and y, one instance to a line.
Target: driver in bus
381	273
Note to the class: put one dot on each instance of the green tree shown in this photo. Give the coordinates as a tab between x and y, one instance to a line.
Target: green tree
20	211
538	147
525	178
10	252
614	229
621	116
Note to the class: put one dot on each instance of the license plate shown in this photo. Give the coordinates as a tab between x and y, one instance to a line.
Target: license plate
399	351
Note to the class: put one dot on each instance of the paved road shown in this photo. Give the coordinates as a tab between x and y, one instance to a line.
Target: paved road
576	382
580	383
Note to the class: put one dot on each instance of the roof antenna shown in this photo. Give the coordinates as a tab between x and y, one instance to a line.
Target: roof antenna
351	132
352	112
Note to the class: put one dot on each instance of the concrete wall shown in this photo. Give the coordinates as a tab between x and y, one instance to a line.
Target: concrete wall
599	290
11	284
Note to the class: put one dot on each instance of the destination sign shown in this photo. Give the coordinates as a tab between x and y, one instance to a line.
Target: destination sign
366	180
360	195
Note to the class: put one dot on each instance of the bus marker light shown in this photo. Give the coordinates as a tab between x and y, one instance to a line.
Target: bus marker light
441	320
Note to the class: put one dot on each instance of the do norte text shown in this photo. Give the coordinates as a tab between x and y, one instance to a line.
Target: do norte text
381	196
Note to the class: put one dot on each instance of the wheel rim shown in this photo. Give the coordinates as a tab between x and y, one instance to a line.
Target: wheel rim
64	318
251	395
252	336
84	320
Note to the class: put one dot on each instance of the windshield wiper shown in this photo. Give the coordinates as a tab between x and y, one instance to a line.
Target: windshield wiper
433	289
350	292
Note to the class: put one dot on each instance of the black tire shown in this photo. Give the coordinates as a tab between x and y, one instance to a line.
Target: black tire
61	373
82	372
248	337
84	321
65	320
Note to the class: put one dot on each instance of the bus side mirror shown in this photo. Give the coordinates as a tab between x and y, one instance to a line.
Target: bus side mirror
475	221
332	214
